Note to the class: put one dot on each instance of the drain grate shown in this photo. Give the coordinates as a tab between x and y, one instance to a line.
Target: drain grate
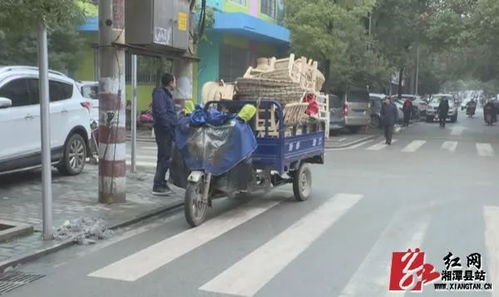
15	279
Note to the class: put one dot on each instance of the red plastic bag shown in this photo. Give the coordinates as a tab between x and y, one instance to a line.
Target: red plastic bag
313	105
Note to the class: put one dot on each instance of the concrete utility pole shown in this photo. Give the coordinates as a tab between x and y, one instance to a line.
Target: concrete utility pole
416	92
112	102
43	66
134	114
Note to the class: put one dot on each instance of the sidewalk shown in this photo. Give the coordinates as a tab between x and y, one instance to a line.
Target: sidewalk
73	198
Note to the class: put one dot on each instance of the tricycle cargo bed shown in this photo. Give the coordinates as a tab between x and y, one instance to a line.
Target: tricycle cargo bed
282	145
285	154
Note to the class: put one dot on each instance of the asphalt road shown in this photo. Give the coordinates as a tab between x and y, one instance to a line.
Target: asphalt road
433	189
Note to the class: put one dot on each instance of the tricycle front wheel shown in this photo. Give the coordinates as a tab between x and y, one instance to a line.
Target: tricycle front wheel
195	208
302	182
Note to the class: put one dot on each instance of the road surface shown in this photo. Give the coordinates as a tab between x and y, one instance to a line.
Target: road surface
433	189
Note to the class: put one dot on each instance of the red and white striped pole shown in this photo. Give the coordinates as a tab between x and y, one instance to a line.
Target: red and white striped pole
112	103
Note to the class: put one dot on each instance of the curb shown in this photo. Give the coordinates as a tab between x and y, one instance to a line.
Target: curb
28	257
352	143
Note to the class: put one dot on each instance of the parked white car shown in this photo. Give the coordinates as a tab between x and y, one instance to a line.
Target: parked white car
20	121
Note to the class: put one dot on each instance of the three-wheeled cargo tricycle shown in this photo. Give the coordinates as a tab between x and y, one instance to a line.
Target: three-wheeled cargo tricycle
279	158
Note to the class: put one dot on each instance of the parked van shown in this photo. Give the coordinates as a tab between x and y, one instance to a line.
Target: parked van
350	110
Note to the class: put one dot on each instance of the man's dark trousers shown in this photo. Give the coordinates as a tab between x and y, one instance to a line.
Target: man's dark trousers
164	142
442	121
388	133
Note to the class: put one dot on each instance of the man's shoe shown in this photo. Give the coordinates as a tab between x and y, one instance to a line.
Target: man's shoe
161	191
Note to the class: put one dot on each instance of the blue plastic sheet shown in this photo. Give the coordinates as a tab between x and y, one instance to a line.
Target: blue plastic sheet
213	141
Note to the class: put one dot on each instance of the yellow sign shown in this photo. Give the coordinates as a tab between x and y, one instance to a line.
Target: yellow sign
182	21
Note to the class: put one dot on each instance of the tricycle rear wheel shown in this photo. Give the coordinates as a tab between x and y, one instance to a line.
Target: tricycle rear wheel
302	182
195	208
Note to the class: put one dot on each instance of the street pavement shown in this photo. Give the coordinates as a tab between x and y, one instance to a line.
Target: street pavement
433	189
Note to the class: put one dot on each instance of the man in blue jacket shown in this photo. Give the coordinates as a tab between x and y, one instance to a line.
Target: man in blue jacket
165	120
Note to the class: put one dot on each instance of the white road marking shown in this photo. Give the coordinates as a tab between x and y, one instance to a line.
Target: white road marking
380	146
413	146
249	275
144	157
485	149
373	273
142	164
350	147
450	146
155	256
491	217
458	130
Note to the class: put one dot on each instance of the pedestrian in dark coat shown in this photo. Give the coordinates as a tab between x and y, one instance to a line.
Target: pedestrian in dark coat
443	111
489	110
389	115
165	120
407	109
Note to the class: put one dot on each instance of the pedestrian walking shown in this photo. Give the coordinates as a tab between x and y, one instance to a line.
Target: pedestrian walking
407	109
389	115
165	120
490	113
443	111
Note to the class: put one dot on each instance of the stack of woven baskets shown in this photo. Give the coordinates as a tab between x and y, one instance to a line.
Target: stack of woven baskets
285	80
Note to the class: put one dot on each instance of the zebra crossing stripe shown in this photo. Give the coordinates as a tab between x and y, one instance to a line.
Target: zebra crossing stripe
142	163
485	149
413	146
155	256
491	217
143	157
450	146
373	273
249	275
379	146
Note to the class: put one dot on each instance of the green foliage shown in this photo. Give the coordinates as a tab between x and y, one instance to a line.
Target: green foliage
334	33
24	15
65	49
18	40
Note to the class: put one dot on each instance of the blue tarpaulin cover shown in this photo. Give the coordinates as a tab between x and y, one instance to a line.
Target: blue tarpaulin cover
213	141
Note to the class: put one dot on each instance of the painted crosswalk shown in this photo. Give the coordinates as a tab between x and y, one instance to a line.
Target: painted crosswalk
280	251
246	276
485	149
449	146
155	256
381	145
413	146
418	145
372	274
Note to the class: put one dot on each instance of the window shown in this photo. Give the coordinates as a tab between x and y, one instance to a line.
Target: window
33	86
268	7
240	2
60	91
335	101
17	91
358	96
233	62
90	91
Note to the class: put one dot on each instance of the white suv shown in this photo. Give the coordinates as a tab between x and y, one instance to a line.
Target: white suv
20	121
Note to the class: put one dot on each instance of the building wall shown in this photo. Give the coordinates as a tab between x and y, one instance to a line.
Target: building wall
209	49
